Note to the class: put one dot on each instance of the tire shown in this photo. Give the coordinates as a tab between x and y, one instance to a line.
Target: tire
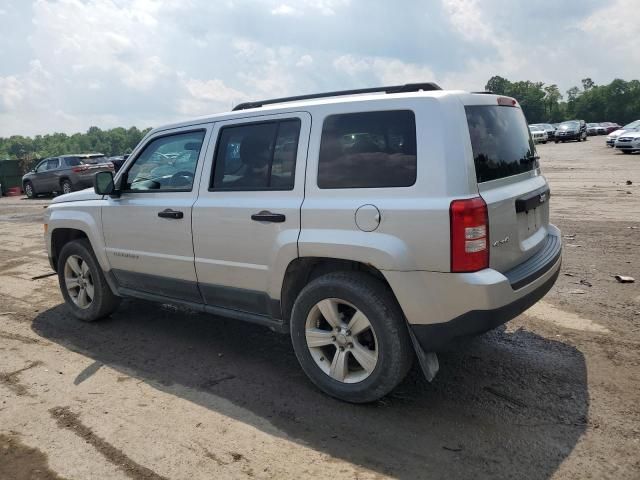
626	152
66	186
84	268
391	356
29	190
544	143
557	141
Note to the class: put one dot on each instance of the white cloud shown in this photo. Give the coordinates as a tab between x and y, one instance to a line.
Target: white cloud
70	64
387	71
284	9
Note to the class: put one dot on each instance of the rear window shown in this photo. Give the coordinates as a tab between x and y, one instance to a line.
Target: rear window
500	141
368	150
72	161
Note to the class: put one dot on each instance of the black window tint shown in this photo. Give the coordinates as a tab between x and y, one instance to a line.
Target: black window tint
166	163
368	150
258	156
500	141
72	161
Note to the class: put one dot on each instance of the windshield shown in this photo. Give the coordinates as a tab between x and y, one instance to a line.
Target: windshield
592	125
569	126
634	124
500	141
535	128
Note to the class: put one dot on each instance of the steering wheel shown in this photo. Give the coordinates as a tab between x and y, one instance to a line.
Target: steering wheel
181	179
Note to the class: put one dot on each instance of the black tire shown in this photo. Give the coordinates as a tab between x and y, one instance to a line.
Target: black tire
66	186
104	302
626	152
545	142
377	303
557	141
29	190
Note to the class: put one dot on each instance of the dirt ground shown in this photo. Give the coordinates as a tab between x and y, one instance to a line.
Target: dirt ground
157	392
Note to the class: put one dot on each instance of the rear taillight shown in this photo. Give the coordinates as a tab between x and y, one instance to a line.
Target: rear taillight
469	235
83	168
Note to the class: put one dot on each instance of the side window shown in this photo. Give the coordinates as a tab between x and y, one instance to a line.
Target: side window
72	161
52	163
259	156
42	166
166	163
368	150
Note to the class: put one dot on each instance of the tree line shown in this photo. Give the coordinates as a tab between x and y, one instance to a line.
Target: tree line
619	101
116	141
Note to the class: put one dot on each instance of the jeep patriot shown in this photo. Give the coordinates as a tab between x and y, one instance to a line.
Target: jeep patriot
373	226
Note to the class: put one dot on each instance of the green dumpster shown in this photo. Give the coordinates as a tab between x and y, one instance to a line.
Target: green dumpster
10	174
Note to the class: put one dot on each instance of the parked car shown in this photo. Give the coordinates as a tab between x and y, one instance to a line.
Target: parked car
549	128
592	128
628	142
538	134
334	218
629	127
571	130
64	174
610	127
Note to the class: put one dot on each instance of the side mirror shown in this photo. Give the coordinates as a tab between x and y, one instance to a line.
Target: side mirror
103	183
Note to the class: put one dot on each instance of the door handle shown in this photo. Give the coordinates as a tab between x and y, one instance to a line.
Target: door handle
266	216
168	213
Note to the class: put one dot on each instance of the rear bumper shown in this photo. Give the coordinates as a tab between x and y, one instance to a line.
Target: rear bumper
442	306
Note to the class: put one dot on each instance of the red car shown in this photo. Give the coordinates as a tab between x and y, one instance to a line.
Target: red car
610	126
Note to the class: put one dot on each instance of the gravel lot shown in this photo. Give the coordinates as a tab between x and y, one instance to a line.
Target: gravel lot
157	392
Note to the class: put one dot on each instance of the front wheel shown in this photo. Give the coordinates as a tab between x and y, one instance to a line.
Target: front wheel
350	336
82	283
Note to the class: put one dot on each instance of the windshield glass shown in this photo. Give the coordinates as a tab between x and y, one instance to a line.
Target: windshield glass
500	141
534	128
635	124
569	126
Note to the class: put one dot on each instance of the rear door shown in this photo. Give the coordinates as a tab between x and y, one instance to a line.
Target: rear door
509	180
246	220
48	181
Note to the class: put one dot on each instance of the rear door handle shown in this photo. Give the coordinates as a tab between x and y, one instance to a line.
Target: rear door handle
168	213
266	216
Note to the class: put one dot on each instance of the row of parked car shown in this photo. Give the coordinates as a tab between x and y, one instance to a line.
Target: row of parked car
626	138
67	173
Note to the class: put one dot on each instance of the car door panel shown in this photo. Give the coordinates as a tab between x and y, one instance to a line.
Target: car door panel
147	249
240	261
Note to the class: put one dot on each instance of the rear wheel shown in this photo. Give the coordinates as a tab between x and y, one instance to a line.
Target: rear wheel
627	152
66	186
82	282
350	336
29	191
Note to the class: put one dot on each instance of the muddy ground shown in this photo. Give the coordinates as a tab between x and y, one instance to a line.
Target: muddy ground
156	392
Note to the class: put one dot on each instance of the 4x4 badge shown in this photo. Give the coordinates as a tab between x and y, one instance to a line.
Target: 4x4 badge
497	243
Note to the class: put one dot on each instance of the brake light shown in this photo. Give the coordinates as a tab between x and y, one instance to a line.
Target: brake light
80	169
507	102
469	235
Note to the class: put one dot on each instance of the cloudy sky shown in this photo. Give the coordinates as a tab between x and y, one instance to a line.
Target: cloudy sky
68	64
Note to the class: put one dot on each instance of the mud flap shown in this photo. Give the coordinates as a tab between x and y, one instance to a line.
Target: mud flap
428	360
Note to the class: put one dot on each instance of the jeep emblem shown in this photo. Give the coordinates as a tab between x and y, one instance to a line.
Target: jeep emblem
498	243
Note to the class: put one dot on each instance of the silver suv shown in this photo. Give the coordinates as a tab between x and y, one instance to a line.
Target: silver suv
372	226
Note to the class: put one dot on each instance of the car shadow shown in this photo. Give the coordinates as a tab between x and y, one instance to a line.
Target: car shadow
507	404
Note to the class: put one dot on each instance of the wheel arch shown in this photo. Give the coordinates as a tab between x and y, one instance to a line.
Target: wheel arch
303	270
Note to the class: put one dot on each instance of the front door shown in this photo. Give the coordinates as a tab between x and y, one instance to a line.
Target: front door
246	220
147	229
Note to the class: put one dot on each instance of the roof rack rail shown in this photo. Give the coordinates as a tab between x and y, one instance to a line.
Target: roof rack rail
485	92
409	87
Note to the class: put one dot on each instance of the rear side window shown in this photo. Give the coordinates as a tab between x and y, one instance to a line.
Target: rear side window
368	150
72	161
500	141
258	156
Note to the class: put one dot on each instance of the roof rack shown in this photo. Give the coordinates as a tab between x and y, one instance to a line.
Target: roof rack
409	87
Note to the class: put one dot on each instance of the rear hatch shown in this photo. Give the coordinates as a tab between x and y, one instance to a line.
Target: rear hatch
509	181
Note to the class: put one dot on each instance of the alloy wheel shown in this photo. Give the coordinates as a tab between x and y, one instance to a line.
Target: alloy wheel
78	281
341	340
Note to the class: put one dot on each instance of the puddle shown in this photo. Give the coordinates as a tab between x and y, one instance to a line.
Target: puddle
548	313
